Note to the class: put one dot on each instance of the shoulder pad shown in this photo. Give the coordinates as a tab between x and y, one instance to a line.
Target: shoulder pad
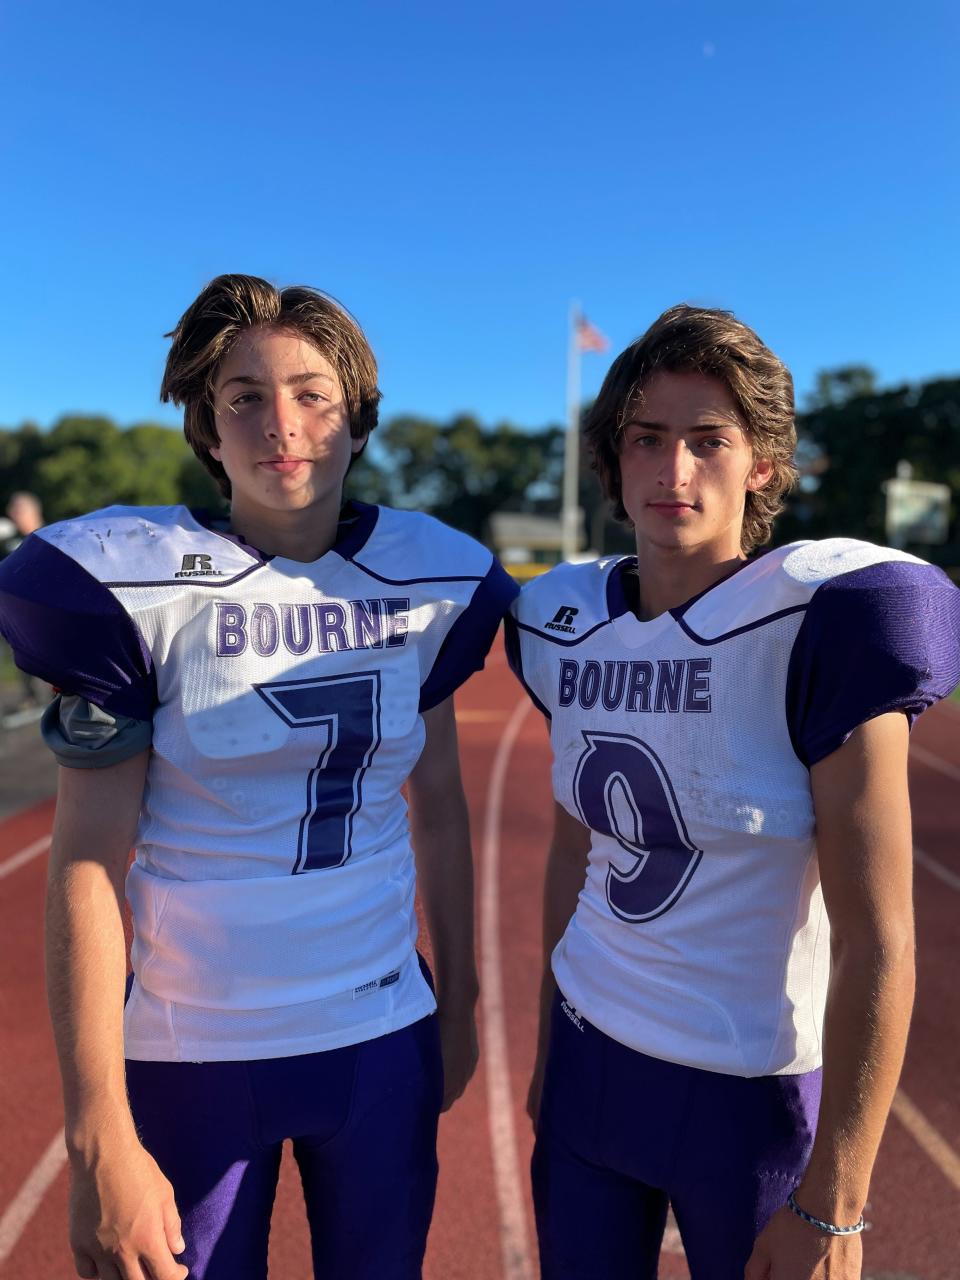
140	546
780	582
407	547
813	563
567	602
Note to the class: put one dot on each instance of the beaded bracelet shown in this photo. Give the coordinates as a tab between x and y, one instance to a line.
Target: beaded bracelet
829	1227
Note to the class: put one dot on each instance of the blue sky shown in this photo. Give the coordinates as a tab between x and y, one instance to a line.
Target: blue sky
456	174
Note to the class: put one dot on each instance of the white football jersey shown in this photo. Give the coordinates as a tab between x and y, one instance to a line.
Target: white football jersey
684	744
273	885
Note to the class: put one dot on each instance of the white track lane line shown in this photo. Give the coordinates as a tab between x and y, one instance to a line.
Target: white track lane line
517	1261
927	1138
27	1200
936	868
515	1247
513	1228
934	762
24	856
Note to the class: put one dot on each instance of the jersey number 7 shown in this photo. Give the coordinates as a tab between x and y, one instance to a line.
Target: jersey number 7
622	790
347	710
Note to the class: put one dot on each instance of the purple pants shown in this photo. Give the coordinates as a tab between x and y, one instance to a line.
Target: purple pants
621	1136
363	1123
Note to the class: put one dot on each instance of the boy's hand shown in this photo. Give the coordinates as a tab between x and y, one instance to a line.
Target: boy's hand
124	1223
458	1047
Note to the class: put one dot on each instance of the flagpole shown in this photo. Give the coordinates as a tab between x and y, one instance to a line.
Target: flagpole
571	459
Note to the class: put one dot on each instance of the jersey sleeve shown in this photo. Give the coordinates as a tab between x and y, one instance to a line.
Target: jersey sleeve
530	653
84	736
68	629
468	641
515	645
883	638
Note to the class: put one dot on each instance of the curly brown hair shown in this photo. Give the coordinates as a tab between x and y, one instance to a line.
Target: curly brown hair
231	304
701	340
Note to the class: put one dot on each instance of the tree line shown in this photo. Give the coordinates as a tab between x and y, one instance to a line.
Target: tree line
852	435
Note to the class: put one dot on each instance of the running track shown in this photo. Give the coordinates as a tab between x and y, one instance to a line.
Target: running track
483	1224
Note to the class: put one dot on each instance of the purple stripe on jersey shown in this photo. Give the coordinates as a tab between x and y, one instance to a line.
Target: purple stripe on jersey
356	523
515	658
617	602
468	641
737	631
884	638
218	523
563	644
67	628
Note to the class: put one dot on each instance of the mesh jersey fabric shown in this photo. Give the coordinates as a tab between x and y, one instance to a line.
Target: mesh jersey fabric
684	743
273	867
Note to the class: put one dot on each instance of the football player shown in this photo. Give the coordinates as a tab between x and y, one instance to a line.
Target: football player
242	701
727	920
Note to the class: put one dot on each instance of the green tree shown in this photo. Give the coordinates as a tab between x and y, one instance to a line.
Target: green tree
463	472
838	386
89	462
860	441
20	451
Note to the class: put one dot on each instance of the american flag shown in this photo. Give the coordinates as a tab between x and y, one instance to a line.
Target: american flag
589	337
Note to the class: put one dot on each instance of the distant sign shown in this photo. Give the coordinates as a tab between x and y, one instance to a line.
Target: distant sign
917	511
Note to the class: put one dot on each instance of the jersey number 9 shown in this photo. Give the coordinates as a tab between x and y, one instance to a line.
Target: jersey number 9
622	790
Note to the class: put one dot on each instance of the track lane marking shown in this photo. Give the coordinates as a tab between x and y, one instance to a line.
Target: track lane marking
514	1244
515	1249
933	761
26	855
932	1143
936	868
27	1200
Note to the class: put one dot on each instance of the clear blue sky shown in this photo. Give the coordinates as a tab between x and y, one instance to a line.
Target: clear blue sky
457	173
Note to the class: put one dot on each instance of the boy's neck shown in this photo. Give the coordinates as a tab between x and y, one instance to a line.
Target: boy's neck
670	577
303	535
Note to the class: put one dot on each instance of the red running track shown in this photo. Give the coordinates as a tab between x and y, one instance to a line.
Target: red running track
483	1227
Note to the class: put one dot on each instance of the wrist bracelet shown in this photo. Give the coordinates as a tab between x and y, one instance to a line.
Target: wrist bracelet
829	1227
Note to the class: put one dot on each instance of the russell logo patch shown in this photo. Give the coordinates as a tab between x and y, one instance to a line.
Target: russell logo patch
563	619
198	566
367	988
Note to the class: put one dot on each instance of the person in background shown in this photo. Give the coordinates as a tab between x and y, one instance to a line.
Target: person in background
242	702
728	928
24	516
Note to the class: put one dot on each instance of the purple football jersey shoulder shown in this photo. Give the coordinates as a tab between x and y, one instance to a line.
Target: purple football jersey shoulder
881	633
66	627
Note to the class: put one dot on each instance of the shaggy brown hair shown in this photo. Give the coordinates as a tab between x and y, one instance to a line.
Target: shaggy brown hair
698	340
210	327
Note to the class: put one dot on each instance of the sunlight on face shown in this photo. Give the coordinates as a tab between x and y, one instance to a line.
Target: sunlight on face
686	464
283	424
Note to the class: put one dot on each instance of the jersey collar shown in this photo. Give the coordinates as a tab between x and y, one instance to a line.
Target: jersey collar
356	524
631	630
